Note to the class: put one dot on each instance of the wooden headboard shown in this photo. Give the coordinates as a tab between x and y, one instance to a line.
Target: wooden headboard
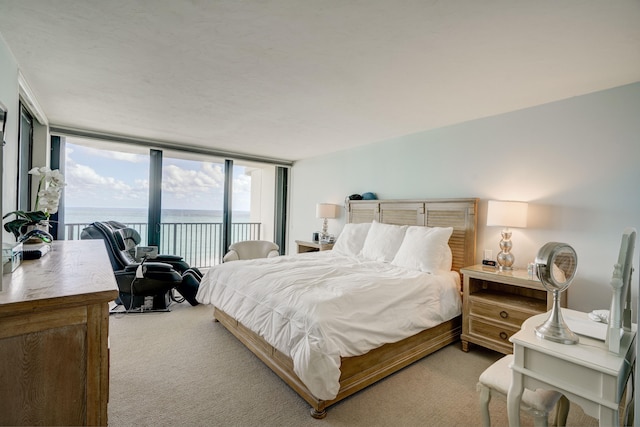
457	213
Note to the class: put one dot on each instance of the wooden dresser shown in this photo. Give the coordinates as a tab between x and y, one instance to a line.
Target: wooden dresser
54	329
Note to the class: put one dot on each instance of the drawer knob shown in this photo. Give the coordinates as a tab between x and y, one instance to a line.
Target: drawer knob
503	335
504	314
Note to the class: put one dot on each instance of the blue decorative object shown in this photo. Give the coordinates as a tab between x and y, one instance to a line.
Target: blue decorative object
369	196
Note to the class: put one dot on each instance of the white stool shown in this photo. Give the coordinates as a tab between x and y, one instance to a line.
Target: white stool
497	378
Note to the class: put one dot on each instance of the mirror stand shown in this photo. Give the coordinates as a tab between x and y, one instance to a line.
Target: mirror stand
554	328
556	265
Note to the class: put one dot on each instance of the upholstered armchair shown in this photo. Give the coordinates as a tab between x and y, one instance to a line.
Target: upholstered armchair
251	249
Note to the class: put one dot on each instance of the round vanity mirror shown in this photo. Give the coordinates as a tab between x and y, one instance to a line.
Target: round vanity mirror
556	265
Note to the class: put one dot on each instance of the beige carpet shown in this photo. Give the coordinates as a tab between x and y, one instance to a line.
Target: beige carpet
181	368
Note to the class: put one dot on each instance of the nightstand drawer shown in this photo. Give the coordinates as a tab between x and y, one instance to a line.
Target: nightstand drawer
500	334
499	313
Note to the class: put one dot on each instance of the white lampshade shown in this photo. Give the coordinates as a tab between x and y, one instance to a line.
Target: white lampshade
326	210
507	213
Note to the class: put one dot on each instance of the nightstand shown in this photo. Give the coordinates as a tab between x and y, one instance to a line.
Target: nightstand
304	246
495	303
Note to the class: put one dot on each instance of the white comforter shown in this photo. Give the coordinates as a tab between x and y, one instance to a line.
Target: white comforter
317	307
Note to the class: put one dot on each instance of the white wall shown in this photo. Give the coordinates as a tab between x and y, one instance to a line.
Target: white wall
9	97
262	199
12	90
575	161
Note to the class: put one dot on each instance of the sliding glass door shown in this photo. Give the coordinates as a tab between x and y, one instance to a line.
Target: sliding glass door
192	207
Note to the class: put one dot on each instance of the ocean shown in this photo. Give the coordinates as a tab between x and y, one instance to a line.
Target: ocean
84	215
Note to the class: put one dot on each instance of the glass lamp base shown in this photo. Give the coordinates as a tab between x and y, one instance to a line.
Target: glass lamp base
505	258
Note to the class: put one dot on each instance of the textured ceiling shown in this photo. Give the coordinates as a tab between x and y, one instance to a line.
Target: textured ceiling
293	79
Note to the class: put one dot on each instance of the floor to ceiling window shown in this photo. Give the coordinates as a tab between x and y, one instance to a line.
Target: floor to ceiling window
110	181
105	182
192	206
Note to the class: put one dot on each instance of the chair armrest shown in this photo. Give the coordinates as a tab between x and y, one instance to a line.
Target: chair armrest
149	266
158	277
231	256
131	268
176	262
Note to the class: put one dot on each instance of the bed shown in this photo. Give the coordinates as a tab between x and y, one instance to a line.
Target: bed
295	312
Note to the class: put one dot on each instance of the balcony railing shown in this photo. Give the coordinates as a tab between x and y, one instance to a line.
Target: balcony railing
200	244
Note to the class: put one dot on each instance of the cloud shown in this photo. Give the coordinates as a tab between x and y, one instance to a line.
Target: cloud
242	184
86	176
185	184
197	188
86	188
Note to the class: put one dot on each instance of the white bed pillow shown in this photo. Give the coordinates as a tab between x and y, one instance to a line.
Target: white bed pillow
383	241
425	249
447	259
351	239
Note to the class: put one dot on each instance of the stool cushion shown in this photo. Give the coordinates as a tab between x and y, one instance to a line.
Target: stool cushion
498	377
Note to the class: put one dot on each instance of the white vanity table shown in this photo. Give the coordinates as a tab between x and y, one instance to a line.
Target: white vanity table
587	373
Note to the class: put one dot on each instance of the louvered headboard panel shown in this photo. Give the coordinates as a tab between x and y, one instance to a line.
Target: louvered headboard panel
457	213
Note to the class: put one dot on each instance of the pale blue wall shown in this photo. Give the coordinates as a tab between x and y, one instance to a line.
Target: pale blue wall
575	161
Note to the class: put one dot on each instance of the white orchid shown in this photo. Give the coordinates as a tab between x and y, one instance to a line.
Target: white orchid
49	189
47	200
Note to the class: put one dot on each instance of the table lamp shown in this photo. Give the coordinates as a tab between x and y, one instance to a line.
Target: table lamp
325	211
506	214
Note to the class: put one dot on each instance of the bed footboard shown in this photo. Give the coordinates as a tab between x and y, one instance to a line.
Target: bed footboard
356	372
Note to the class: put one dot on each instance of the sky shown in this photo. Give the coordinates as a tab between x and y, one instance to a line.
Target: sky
101	178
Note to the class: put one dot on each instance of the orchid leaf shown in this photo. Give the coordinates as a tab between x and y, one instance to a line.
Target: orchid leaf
23	219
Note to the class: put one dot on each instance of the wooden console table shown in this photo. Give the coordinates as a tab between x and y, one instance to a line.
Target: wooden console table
54	328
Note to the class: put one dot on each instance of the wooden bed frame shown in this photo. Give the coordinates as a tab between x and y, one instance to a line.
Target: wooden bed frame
361	371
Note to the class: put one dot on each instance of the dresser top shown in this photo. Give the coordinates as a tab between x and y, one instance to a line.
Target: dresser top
590	352
72	270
